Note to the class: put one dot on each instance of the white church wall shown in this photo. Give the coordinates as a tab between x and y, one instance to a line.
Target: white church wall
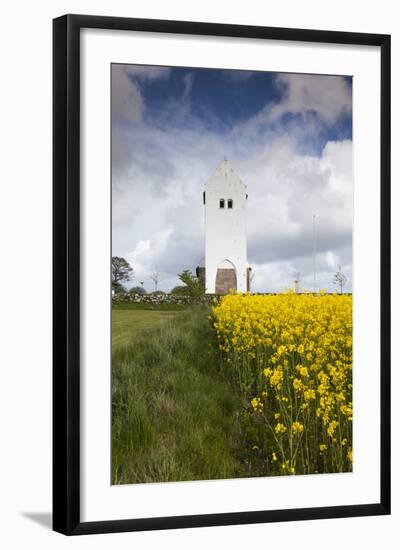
225	228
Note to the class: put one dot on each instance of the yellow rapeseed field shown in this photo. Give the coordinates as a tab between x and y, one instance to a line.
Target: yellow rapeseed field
291	357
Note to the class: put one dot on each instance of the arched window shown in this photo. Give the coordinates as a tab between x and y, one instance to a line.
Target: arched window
222	203
230	203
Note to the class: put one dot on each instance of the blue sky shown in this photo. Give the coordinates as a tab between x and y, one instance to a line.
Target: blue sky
222	99
289	138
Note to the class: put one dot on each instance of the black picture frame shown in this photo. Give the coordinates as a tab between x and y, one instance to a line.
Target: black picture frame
66	273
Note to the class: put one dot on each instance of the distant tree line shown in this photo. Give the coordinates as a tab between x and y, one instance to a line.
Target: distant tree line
122	272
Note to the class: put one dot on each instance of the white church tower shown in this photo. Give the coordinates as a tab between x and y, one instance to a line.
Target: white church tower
225	264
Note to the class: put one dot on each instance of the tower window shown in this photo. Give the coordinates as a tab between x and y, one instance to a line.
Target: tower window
222	203
230	203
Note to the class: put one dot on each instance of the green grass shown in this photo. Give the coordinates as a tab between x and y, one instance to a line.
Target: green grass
128	323
174	417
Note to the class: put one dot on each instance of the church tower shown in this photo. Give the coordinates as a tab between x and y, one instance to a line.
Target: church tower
225	263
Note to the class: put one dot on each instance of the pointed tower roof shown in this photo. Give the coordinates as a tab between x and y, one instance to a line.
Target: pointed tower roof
225	169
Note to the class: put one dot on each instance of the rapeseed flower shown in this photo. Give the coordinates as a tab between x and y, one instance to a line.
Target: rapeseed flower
291	357
280	428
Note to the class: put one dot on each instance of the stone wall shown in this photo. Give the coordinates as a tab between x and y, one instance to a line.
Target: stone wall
160	298
248	275
201	275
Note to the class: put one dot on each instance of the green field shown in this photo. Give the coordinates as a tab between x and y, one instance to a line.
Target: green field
127	324
174	416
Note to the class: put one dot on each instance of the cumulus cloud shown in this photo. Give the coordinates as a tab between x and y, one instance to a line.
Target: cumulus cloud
126	97
127	101
159	172
305	93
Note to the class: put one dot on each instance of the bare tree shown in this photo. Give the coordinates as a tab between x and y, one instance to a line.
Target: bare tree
296	282
340	279
155	277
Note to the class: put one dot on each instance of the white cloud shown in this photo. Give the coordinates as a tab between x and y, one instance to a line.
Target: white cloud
332	260
127	100
188	84
146	72
329	97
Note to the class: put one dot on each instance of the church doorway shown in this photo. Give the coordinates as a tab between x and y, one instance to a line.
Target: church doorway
226	278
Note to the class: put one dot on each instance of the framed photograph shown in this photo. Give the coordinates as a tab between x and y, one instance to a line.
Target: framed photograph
221	274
